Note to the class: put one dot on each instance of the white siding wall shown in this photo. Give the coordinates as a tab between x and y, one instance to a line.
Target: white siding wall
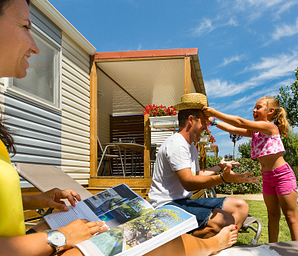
75	111
158	136
1	94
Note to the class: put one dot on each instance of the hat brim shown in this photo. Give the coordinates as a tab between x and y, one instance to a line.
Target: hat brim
188	105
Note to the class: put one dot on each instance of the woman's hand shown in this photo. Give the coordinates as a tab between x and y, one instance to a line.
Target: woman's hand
51	198
80	230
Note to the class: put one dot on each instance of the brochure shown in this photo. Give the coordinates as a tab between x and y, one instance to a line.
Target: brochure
135	226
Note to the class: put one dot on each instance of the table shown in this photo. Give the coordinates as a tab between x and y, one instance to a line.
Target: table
134	147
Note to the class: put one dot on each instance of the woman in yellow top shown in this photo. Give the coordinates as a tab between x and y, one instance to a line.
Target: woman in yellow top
16	47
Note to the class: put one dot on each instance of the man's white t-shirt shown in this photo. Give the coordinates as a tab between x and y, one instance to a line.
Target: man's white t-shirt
174	155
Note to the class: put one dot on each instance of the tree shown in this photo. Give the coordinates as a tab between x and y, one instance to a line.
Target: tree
245	149
288	99
234	138
291	148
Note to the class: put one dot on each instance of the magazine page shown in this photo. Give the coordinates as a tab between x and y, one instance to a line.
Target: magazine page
142	234
111	205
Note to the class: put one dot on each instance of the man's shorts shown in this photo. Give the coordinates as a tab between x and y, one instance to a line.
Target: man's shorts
200	207
279	181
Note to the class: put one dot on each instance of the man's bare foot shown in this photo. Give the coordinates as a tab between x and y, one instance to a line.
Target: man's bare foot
227	237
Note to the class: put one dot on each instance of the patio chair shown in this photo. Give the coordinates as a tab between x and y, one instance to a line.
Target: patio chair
247	224
104	157
46	177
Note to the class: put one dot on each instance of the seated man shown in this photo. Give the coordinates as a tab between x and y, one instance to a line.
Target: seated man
177	173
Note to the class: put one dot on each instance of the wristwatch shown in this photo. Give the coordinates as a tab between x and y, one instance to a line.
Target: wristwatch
56	239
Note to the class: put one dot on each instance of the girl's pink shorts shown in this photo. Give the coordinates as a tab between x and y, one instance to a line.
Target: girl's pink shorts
279	181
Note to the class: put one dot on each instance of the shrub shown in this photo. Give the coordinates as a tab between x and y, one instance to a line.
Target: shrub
246	165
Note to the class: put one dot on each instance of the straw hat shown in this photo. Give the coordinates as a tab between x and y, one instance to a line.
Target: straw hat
192	101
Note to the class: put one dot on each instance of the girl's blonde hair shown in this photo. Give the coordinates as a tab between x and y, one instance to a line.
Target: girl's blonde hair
279	116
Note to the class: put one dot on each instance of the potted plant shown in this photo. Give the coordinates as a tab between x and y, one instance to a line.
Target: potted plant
161	116
161	110
207	139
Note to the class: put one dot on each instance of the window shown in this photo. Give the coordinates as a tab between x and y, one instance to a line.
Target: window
42	83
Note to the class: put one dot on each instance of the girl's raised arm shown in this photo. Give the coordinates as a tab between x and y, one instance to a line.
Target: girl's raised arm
232	129
240	124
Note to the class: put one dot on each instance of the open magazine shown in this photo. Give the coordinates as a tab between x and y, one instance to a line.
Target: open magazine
135	227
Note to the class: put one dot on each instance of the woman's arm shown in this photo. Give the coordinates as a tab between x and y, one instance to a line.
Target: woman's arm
36	244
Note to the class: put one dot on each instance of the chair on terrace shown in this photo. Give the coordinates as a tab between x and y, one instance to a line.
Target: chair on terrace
104	157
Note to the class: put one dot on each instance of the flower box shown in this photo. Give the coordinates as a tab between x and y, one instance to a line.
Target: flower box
164	121
204	139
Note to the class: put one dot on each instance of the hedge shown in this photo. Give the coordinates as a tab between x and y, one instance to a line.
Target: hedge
246	165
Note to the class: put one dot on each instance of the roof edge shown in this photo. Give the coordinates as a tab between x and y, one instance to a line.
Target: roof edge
52	13
146	53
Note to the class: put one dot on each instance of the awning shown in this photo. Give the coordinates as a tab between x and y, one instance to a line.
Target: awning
128	81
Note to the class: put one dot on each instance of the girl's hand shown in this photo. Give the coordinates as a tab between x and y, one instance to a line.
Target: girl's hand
208	111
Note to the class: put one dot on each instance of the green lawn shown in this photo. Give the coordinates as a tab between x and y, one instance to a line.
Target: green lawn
257	209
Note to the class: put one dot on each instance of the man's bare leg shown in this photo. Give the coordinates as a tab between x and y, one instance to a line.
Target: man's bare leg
238	208
217	221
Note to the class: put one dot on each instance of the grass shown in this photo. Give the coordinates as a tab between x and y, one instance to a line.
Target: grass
257	209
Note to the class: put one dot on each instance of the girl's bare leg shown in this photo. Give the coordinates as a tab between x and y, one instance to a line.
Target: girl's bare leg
288	205
273	210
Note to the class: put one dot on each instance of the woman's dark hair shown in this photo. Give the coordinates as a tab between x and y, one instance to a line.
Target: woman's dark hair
5	3
5	136
185	113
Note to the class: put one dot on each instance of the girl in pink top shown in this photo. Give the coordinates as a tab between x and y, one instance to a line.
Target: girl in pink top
279	182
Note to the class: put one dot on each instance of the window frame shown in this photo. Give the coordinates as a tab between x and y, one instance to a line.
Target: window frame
57	74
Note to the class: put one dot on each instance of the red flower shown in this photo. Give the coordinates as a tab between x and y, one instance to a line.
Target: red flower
161	110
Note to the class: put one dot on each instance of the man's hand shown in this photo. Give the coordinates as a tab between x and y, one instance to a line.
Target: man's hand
223	164
229	176
51	198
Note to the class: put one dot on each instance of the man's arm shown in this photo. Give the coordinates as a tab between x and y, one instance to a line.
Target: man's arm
194	182
215	169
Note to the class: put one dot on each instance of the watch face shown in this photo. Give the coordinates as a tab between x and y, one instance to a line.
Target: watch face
58	238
